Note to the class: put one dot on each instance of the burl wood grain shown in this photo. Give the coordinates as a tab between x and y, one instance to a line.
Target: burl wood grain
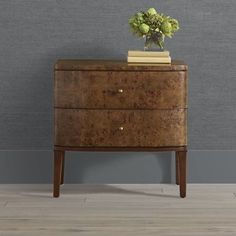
140	128
116	65
116	106
120	89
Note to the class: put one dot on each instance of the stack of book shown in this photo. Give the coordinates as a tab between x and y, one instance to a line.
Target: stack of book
149	57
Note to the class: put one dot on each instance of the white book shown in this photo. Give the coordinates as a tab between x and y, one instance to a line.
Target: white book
148	54
164	60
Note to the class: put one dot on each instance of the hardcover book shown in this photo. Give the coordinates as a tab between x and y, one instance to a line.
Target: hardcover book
162	60
148	53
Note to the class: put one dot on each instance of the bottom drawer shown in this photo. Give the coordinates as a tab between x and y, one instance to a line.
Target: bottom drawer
120	128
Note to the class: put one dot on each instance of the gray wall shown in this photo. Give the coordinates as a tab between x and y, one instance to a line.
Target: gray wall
33	34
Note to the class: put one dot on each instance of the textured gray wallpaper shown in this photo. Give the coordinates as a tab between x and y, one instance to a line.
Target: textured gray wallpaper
33	34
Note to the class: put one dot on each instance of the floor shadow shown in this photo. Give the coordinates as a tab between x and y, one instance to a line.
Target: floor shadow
94	189
111	189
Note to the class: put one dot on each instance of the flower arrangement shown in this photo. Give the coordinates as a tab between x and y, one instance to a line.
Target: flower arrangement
153	26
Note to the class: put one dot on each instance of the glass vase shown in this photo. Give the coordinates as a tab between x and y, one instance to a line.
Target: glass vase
154	42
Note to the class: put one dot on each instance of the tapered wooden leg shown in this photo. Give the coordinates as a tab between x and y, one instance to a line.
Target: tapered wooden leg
58	157
177	167
63	167
182	156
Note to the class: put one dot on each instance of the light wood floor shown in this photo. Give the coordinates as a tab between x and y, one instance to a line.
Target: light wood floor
118	210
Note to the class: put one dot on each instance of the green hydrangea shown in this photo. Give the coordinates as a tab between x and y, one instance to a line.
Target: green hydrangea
144	28
151	11
153	26
166	27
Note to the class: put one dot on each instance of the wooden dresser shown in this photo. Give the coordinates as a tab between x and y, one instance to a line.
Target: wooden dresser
116	106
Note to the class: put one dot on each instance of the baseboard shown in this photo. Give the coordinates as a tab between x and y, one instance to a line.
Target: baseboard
35	166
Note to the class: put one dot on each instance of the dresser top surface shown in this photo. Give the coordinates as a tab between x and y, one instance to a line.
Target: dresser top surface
117	65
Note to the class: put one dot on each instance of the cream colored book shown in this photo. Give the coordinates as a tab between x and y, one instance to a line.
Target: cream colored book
148	54
149	59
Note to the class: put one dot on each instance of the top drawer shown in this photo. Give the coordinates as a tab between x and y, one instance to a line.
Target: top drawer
120	89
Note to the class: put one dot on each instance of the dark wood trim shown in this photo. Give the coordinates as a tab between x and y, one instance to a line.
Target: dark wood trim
182	172
121	149
63	167
121	109
115	70
177	167
58	158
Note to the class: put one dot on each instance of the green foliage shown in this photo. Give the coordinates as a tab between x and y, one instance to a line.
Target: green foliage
154	26
144	28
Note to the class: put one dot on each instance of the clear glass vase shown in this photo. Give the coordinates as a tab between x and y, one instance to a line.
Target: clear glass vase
154	42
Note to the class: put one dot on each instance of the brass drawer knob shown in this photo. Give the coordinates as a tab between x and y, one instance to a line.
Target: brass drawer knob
121	128
120	90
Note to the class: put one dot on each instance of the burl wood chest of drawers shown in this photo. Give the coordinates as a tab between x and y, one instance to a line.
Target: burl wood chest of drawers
116	106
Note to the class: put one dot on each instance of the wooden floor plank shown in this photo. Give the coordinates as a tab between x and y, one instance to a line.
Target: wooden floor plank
121	209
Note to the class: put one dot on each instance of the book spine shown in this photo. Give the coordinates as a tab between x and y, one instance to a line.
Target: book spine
148	54
149	59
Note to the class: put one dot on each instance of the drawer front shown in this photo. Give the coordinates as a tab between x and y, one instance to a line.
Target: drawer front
120	128
120	90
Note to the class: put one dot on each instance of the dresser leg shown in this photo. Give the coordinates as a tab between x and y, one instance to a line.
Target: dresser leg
62	167
177	167
182	156
58	157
